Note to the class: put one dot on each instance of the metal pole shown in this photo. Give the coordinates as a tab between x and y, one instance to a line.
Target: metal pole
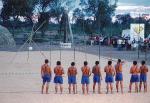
138	38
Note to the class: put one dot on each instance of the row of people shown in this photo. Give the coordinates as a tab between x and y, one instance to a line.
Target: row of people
46	74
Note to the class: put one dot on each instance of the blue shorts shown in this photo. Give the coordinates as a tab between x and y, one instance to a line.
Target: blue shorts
119	77
96	79
85	80
134	78
58	79
71	79
46	78
143	78
109	78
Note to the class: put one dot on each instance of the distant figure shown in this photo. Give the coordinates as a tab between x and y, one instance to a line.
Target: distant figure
109	79
58	79
72	72
97	76
134	76
143	76
119	76
85	77
46	75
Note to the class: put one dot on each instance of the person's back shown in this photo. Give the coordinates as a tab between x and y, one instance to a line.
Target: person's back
72	72
46	69
109	70
85	71
96	70
58	79
58	70
119	75
134	71
109	75
46	75
118	68
97	77
143	76
143	69
85	77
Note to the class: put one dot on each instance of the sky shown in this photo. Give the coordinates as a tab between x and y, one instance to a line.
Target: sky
133	6
126	6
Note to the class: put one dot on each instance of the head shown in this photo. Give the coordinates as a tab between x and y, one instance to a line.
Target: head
97	63
85	63
73	64
119	60
46	61
134	62
109	62
143	62
58	63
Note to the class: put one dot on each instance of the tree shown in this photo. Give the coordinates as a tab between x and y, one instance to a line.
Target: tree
16	8
43	19
104	14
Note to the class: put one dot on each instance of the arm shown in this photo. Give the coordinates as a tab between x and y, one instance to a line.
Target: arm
114	73
100	74
68	72
93	70
131	70
42	74
90	72
76	71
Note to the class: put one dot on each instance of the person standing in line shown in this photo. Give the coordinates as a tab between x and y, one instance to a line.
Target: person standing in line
97	77
143	76
72	72
85	77
109	79
58	79
46	75
134	71
119	75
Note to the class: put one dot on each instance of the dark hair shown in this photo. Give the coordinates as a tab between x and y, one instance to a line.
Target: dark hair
134	62
109	62
143	62
85	63
58	63
72	63
46	61
119	60
97	62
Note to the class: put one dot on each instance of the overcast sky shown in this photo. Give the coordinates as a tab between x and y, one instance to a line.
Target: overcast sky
127	6
135	2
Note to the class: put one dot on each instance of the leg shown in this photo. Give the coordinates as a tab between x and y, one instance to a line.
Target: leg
136	87
61	88
130	87
99	88
74	88
83	88
140	86
117	87
111	87
42	88
107	87
145	86
47	86
69	88
87	88
94	87
56	88
121	85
